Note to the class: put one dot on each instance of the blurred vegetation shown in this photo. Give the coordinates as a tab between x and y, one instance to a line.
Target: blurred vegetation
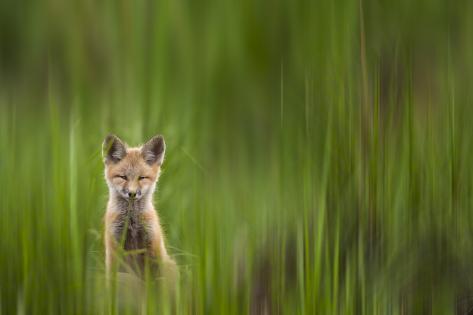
318	152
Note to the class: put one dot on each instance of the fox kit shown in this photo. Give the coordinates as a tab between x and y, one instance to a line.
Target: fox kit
131	223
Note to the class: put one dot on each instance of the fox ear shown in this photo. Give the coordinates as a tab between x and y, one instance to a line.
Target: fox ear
113	149
153	150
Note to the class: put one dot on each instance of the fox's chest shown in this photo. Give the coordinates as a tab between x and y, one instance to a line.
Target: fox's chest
131	233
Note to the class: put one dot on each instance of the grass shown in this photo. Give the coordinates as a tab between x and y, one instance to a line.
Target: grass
318	153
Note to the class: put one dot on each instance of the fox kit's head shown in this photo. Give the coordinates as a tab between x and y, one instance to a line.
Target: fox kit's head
132	172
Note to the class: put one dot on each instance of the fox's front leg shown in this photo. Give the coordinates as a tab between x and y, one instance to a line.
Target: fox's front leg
110	244
157	249
110	252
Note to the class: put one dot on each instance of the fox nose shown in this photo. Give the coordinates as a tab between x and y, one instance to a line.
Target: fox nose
132	194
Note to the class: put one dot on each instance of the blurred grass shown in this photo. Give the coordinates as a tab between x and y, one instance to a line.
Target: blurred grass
318	152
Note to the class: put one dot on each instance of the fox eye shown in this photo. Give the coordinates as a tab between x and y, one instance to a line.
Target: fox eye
142	177
122	176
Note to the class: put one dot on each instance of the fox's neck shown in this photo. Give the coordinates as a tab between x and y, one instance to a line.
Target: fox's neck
123	205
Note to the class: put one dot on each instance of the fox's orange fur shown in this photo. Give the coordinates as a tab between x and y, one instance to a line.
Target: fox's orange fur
132	224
